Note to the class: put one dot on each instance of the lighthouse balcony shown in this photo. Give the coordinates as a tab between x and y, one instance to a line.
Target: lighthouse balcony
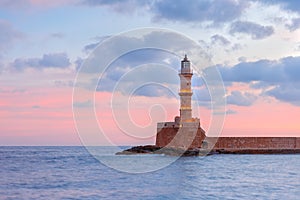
186	71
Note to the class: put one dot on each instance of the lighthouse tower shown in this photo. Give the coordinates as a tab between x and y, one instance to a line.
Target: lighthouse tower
185	92
185	131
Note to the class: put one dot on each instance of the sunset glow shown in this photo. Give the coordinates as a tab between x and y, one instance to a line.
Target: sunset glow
44	43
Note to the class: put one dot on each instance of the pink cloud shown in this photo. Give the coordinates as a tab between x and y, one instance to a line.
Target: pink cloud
43	116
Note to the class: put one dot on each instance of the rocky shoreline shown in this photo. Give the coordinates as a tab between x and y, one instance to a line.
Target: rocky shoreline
172	151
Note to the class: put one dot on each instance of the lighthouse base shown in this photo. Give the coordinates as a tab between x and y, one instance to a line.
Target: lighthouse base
188	136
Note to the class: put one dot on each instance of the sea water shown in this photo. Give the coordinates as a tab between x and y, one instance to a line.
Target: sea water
72	173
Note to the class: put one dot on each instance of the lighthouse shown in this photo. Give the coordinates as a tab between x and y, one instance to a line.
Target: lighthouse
185	131
185	92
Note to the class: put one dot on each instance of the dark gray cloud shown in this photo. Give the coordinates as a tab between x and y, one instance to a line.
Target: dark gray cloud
256	31
125	71
181	10
175	43
199	11
262	70
289	92
241	99
8	35
53	60
59	60
202	96
279	79
142	66
284	70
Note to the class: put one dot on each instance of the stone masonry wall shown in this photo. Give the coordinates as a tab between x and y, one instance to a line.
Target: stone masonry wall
185	137
298	143
257	143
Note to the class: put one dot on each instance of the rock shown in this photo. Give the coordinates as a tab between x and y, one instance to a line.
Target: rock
171	151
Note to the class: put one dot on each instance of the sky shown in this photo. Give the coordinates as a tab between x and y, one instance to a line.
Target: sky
44	45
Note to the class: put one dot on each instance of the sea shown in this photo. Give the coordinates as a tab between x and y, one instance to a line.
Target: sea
67	172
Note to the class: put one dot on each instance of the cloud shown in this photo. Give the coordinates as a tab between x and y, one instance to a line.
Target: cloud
63	83
201	94
155	90
256	31
227	112
89	47
295	24
181	10
83	104
145	65
78	62
199	11
25	4
292	5
116	45
241	99
35	106
135	69
284	70
230	112
262	70
220	40
121	6
279	79
8	35
57	35
12	91
54	60
242	59
286	92
59	60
